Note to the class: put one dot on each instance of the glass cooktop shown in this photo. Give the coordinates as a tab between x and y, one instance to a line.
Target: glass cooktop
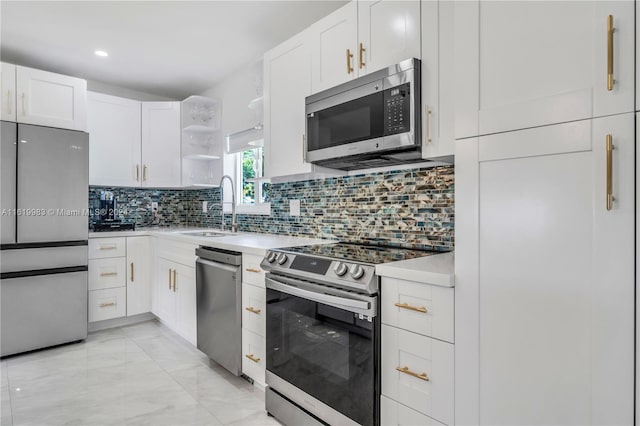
359	252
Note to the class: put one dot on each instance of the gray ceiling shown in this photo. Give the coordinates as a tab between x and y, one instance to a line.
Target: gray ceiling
166	48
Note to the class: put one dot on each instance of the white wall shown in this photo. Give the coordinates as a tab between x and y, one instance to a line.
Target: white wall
107	89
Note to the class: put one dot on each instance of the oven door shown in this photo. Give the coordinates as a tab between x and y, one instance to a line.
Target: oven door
324	343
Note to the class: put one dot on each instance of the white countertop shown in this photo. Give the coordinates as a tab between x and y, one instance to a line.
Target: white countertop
245	242
436	270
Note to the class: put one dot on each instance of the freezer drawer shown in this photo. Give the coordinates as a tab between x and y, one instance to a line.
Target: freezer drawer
53	183
43	258
41	311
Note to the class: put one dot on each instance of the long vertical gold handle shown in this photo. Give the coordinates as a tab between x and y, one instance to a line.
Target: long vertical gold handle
174	280
349	56
144	173
427	124
610	148
361	56
610	31
137	172
24	110
8	101
132	271
169	278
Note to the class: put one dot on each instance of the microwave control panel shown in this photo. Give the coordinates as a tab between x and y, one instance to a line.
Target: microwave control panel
397	110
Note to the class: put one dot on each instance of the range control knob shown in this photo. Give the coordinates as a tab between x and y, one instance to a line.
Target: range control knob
282	258
340	269
357	272
271	257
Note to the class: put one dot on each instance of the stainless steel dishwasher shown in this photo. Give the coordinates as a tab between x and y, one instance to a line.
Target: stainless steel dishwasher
219	306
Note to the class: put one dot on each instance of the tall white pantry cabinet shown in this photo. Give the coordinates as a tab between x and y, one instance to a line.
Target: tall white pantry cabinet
545	212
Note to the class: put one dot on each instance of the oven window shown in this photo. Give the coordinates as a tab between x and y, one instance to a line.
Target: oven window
327	352
356	120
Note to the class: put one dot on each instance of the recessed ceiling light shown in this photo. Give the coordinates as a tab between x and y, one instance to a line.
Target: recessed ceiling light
101	53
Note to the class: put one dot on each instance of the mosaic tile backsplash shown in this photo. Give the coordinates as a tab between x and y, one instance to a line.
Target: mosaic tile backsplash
406	208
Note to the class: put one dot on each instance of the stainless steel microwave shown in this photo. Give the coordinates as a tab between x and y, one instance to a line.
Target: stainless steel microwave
372	121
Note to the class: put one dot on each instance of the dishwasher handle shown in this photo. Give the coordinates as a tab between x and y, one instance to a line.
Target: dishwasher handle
223	266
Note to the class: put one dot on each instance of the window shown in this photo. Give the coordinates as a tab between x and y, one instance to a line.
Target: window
253	187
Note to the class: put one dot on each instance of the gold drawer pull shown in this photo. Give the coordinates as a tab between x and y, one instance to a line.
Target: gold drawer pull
610	30
109	247
610	147
108	274
253	310
253	358
406	370
411	308
104	305
252	270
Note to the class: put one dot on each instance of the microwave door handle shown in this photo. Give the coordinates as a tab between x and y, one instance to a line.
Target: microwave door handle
327	299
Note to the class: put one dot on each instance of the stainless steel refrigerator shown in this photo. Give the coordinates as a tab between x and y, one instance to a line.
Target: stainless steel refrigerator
44	180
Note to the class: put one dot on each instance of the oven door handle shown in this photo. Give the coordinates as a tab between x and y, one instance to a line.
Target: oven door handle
353	305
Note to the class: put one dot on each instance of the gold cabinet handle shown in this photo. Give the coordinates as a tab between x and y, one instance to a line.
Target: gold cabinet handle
174	280
169	278
137	172
108	274
104	305
24	110
405	370
610	148
427	124
361	56
411	308
132	271
144	173
253	310
253	358
349	56
610	31
252	270
109	247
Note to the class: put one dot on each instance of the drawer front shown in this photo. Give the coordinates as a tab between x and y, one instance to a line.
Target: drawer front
253	359
183	253
107	247
252	273
107	273
418	355
253	309
421	308
107	304
394	414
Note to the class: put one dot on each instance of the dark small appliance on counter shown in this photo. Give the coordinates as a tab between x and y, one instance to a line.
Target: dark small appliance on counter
106	215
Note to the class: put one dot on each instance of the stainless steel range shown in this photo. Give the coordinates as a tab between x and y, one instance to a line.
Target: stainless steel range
323	332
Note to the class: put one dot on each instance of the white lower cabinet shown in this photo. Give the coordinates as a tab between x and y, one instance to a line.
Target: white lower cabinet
394	413
253	309
174	289
417	371
253	356
119	277
107	304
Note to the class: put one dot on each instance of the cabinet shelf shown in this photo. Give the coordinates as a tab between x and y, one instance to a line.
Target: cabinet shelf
201	157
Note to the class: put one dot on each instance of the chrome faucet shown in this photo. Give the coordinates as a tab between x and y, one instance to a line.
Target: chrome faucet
234	223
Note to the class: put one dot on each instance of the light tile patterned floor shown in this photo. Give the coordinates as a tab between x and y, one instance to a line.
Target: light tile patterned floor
142	374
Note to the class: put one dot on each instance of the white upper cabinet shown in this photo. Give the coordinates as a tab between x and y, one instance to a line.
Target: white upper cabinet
437	79
388	33
362	37
48	99
8	92
522	64
114	138
161	144
287	81
333	41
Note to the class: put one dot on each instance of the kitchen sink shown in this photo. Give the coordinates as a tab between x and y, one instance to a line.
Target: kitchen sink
205	233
